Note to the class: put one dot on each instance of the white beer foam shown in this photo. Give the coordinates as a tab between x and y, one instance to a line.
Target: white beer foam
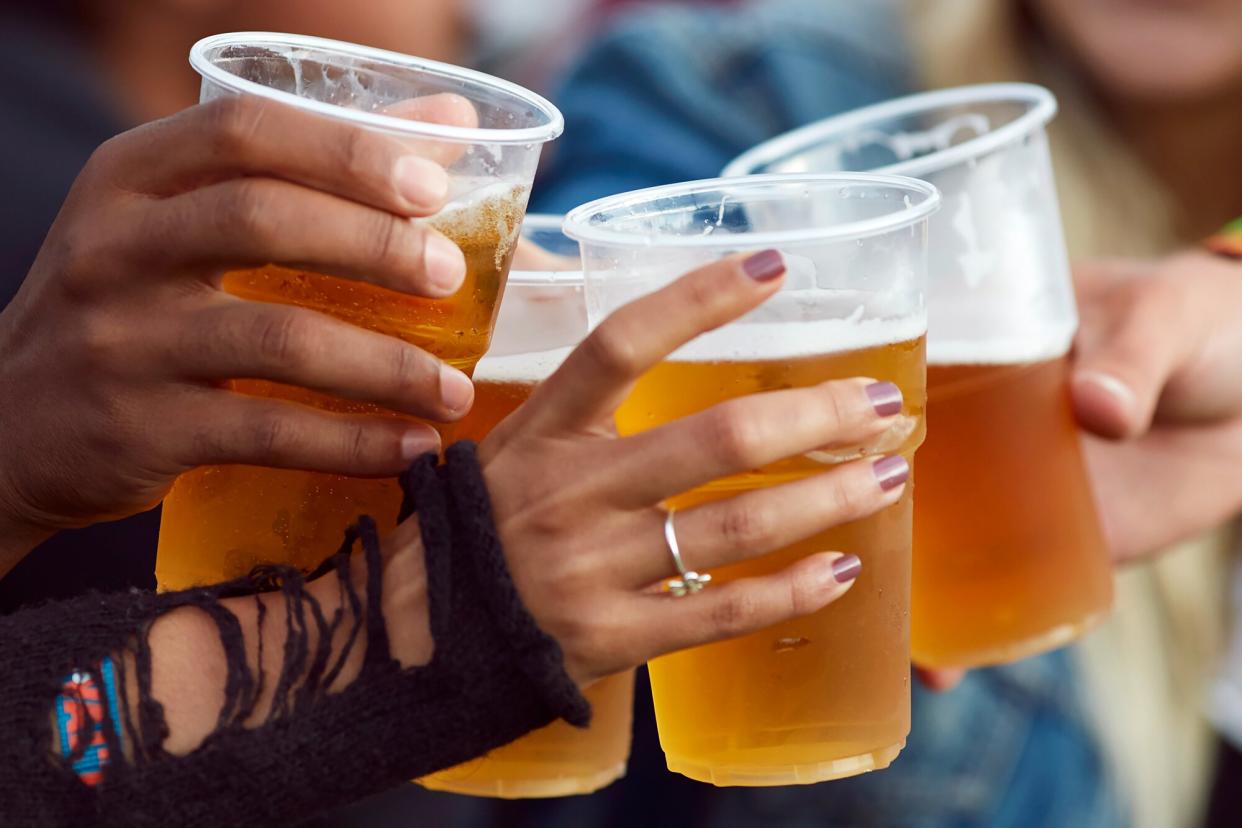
1000	349
792	340
520	368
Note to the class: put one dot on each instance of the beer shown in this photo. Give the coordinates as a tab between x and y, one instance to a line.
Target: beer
556	760
220	521
1008	555
543	315
501	384
819	697
559	759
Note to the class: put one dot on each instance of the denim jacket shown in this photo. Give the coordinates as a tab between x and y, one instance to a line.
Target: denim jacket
672	94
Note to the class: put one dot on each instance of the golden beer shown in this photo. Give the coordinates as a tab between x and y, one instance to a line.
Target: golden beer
819	697
559	759
541	310
220	521
1008	555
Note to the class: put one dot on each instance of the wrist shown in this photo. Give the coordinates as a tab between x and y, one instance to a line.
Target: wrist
404	599
405	596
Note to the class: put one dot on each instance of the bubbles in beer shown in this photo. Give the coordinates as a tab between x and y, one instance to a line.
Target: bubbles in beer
487	219
790	340
525	368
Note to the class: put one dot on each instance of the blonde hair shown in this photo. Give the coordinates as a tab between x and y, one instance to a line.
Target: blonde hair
1146	670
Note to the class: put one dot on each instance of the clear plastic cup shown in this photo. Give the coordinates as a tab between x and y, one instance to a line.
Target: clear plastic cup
828	695
220	521
542	318
1009	559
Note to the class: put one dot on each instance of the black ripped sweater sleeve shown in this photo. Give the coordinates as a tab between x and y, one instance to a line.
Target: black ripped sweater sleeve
493	676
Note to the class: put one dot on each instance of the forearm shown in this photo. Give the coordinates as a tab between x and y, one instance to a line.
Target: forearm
190	667
234	710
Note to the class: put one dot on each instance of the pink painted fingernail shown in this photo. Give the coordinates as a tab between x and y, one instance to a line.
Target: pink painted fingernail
846	569
891	472
764	266
885	398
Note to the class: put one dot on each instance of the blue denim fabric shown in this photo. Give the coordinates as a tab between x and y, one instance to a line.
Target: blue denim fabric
674	93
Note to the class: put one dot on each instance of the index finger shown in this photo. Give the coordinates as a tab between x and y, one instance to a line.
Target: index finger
597	376
248	136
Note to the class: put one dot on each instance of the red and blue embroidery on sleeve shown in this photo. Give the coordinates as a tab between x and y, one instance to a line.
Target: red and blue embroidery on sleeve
80	719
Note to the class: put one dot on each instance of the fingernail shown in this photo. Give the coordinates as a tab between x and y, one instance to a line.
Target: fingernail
885	398
444	263
456	390
764	266
418	442
423	183
891	472
846	569
1111	385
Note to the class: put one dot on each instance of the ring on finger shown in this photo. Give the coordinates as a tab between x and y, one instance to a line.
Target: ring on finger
687	582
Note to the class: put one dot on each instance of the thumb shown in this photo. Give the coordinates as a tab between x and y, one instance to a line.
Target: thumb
1123	356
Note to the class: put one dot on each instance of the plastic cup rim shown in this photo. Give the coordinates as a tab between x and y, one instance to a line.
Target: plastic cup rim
1043	109
577	221
525	135
550	278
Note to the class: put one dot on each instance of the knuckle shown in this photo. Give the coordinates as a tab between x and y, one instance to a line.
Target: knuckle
99	341
246	210
845	498
272	436
612	351
105	157
699	294
746	526
575	632
233	121
801	598
735	437
280	338
207	442
77	265
385	244
735	613
834	410
360	155
358	445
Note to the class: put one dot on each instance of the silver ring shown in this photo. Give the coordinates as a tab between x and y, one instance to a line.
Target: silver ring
689	582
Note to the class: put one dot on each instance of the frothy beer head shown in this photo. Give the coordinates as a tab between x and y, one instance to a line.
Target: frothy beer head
796	324
968	334
486	220
529	368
